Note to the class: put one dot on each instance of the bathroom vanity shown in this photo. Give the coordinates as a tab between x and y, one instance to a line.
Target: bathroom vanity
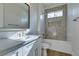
16	17
21	47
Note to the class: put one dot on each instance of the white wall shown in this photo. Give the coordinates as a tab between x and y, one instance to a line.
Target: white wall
41	21
36	24
73	27
33	18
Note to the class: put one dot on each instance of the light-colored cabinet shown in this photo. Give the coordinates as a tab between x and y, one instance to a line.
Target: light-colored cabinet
14	15
31	49
27	48
36	49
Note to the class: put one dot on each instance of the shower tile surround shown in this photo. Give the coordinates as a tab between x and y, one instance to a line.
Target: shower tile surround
56	27
56	30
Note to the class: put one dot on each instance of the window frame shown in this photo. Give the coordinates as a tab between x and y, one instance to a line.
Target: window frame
55	16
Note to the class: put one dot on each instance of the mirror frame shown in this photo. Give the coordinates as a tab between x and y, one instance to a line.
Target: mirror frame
28	15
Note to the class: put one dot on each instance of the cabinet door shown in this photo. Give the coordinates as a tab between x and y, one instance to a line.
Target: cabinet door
36	49
1	15
27	49
16	15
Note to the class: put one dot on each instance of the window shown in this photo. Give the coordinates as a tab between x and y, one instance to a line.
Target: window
59	13
55	14
50	15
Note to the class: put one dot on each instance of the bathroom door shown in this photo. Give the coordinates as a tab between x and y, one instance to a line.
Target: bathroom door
56	23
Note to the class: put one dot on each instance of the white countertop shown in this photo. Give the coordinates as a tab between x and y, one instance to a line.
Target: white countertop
7	43
28	49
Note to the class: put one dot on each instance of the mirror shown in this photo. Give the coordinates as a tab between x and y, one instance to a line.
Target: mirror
15	15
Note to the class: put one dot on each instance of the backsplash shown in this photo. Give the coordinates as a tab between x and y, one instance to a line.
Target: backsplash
4	35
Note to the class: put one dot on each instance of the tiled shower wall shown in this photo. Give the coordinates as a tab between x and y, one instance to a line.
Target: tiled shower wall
56	30
56	27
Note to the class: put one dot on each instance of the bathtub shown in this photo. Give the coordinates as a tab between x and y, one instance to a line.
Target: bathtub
57	45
